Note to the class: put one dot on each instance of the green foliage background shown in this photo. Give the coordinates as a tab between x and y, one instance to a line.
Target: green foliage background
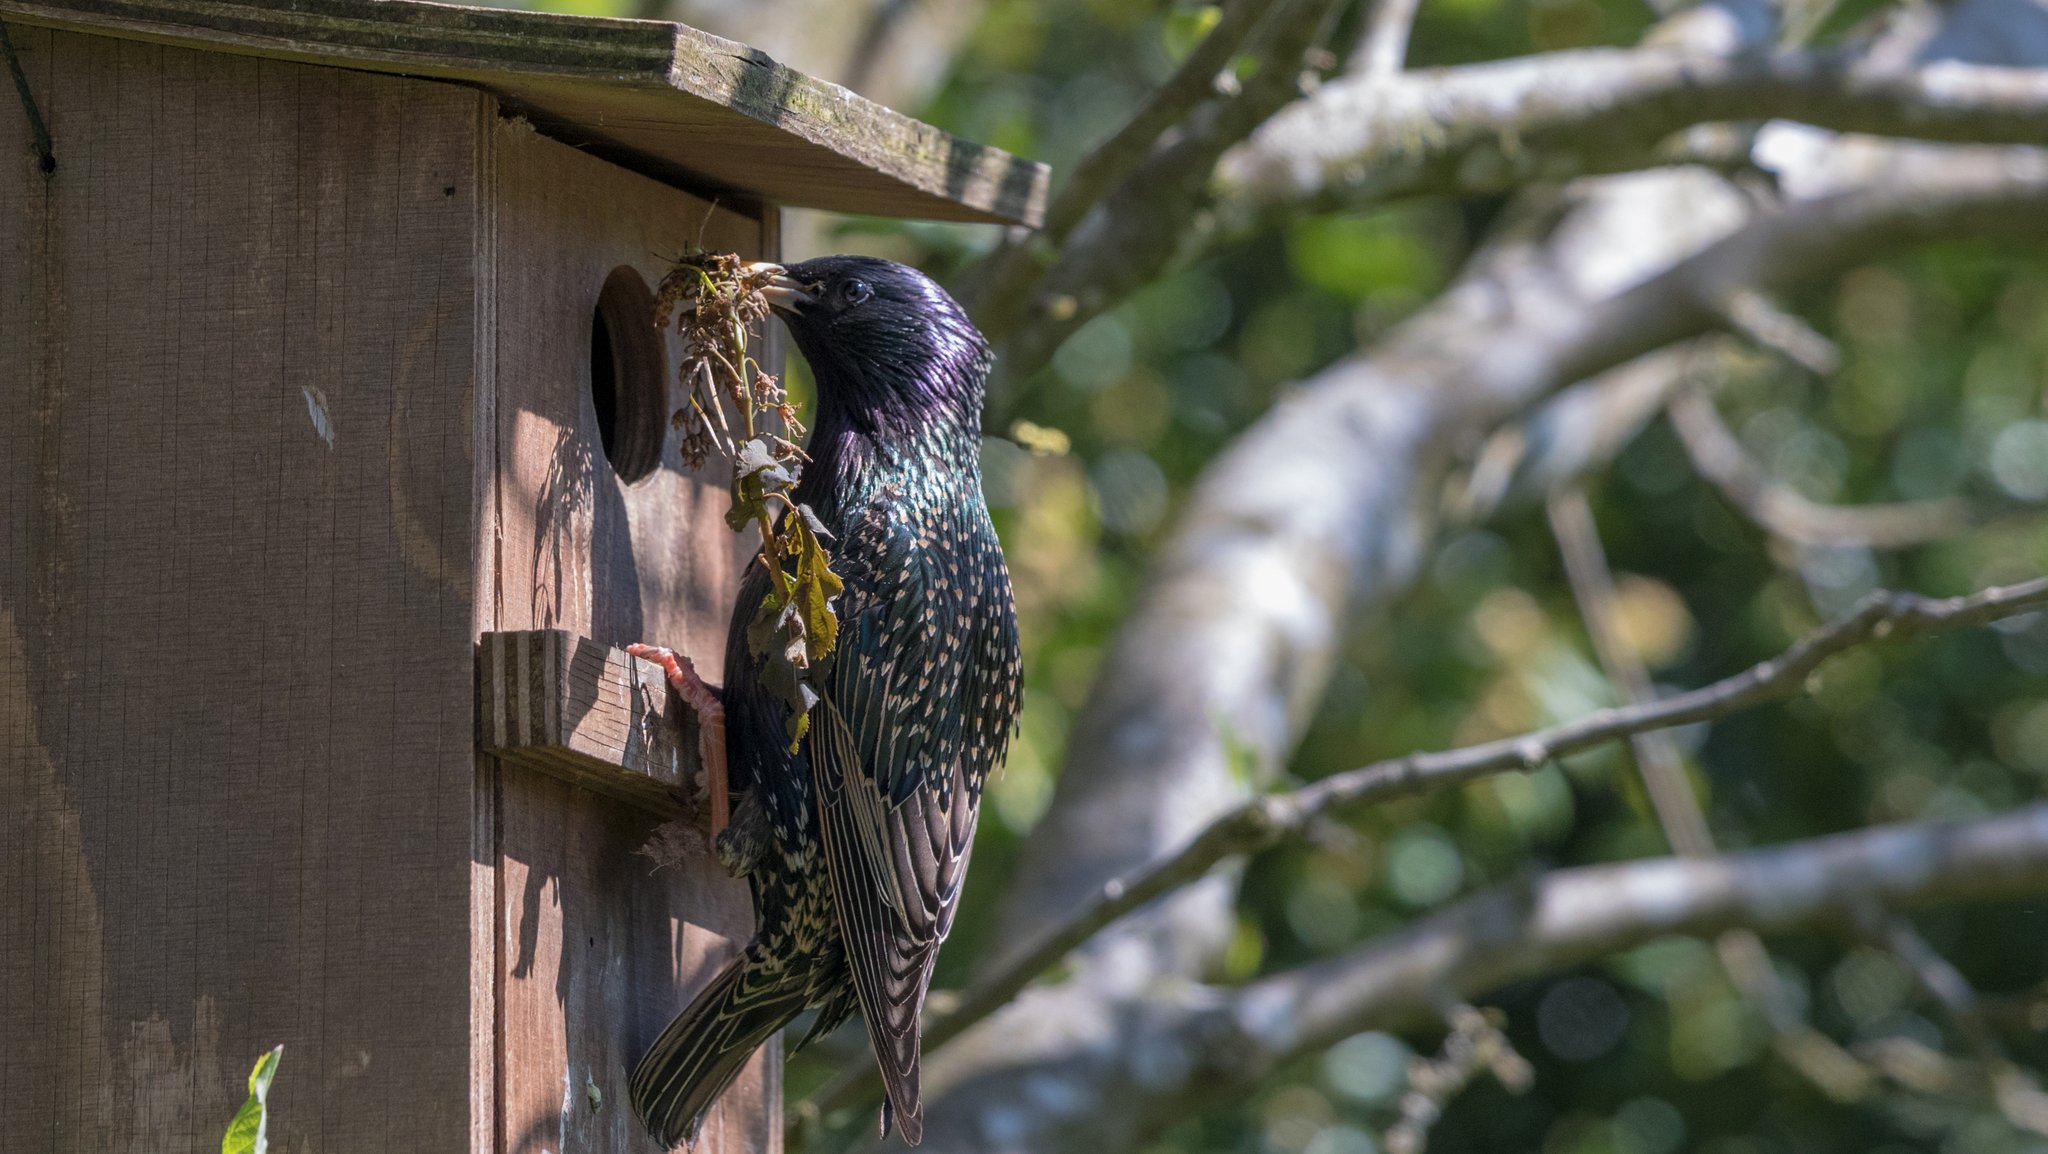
1946	363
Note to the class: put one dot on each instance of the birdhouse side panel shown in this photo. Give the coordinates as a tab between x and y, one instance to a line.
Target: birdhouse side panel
236	600
602	531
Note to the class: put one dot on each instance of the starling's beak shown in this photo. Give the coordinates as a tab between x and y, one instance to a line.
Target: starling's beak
785	293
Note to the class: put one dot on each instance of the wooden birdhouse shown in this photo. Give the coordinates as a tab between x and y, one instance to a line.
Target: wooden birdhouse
334	468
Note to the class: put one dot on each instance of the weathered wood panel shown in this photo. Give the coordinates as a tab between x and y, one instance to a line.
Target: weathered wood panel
592	715
598	949
236	601
662	97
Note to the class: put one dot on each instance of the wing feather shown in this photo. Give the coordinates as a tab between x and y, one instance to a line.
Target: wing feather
897	751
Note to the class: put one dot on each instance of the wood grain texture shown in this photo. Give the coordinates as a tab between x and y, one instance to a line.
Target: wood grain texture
598	948
660	97
236	531
592	715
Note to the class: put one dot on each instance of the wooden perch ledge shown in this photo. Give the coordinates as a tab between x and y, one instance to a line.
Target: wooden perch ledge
589	714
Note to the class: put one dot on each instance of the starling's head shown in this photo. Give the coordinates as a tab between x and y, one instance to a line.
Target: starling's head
889	348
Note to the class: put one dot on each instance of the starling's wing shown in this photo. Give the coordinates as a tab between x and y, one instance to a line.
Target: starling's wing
898	773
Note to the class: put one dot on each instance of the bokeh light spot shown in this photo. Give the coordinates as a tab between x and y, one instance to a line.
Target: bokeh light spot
1581	1018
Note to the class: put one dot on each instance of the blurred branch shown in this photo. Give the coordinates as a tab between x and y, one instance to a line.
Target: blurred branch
1573	433
1197	1044
1757	317
875	32
1783	512
1267	820
1385	47
1195	81
2013	1090
1488	127
1813	1054
1657	758
1474	1046
1575	916
1321	507
1003	285
1132	230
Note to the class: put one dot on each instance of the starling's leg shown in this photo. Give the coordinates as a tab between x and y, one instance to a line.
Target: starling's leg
710	723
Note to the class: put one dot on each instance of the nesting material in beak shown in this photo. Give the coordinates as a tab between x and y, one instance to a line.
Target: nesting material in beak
785	293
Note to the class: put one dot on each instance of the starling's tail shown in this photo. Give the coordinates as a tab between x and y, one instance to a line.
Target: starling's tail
703	1049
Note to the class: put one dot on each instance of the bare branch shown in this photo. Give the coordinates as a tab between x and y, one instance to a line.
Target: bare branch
1489	127
2015	1092
1474	1046
1757	317
1657	758
1182	1050
1385	47
1324	505
1138	227
1576	915
1573	433
1786	514
1813	1054
1267	820
1004	283
1192	83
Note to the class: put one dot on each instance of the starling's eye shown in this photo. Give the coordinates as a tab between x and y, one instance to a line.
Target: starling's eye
855	291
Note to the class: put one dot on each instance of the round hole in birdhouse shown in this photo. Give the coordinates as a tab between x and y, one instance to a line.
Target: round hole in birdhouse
627	386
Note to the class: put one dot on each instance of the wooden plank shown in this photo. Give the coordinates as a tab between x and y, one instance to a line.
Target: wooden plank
598	947
601	948
664	98
235	642
592	715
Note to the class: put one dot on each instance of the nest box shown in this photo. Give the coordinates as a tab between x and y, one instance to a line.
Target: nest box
334	469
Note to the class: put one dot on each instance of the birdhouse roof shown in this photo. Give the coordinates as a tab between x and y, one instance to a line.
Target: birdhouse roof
662	98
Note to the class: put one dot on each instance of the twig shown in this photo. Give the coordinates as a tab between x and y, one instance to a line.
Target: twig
1385	46
46	155
1132	229
1783	512
1191	84
2013	1090
1264	821
1657	757
1813	1054
1757	317
1474	1046
1005	281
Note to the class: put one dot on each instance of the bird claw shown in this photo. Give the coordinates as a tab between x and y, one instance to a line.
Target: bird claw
710	711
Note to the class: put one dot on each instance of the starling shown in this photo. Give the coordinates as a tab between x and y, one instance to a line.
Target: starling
865	826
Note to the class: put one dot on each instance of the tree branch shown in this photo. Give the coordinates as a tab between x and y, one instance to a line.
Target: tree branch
1385	47
1002	286
1267	820
1323	505
1662	769
1577	915
1323	510
1786	514
1490	127
1172	1055
1194	82
1136	228
1658	761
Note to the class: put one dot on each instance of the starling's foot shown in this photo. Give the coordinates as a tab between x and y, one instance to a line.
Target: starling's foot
682	676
